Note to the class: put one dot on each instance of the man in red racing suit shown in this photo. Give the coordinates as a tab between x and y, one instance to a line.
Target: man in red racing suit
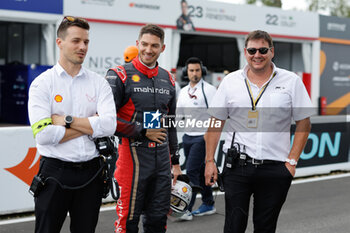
143	169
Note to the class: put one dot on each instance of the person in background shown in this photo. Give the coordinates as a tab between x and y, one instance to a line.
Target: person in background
130	53
259	103
144	93
193	103
68	107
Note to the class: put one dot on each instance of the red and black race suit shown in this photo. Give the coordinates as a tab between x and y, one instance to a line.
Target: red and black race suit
143	169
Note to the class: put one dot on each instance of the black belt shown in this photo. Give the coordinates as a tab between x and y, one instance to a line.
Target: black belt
261	161
63	164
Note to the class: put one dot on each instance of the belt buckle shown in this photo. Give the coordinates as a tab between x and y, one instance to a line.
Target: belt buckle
78	165
257	161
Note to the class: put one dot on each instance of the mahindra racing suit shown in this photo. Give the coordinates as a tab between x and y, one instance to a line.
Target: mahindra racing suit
143	169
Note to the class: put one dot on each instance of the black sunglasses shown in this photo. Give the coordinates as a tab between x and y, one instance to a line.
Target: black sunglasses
262	50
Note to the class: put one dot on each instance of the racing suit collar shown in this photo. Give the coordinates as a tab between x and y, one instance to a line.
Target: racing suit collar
144	69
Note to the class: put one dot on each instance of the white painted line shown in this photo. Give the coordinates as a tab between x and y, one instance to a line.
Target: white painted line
109	208
32	218
301	181
17	220
330	177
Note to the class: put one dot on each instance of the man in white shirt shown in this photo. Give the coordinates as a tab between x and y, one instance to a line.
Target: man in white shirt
68	107
259	103
192	104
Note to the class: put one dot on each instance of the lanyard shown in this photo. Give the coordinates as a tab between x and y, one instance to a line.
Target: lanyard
255	101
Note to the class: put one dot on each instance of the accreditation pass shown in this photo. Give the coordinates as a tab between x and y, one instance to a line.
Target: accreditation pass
253	116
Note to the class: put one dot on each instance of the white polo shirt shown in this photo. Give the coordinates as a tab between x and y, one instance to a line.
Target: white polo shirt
56	92
284	99
191	105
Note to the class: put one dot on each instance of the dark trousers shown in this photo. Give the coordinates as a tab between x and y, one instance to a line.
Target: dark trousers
194	148
53	203
269	185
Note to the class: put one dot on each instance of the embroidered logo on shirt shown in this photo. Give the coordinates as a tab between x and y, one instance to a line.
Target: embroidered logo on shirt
279	88
91	99
135	78
58	98
192	96
184	189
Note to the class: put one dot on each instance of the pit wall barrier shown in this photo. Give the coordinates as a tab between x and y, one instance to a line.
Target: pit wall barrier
327	150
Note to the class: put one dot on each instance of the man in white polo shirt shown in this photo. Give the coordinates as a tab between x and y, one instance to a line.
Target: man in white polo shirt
259	103
193	102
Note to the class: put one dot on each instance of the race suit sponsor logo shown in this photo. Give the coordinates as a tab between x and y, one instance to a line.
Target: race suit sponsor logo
120	213
135	78
152	90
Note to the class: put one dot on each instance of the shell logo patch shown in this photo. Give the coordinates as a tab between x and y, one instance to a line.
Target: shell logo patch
184	189
135	78
58	98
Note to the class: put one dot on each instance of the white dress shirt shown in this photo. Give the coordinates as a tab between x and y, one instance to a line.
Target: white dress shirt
56	92
285	99
191	105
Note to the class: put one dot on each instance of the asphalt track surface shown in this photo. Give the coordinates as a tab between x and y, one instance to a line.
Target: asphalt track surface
312	206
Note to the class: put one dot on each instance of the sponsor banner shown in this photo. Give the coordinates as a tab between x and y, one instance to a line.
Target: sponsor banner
334	27
328	144
335	77
199	15
107	45
41	6
19	162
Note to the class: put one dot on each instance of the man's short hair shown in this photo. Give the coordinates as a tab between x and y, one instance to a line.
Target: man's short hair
153	30
183	1
258	34
70	21
193	60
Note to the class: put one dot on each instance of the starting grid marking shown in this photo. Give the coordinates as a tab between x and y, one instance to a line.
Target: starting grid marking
109	208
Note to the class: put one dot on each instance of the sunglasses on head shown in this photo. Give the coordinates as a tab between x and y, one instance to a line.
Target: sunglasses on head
72	19
262	50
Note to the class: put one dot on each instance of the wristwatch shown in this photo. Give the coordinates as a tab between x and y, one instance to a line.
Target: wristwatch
291	161
69	120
